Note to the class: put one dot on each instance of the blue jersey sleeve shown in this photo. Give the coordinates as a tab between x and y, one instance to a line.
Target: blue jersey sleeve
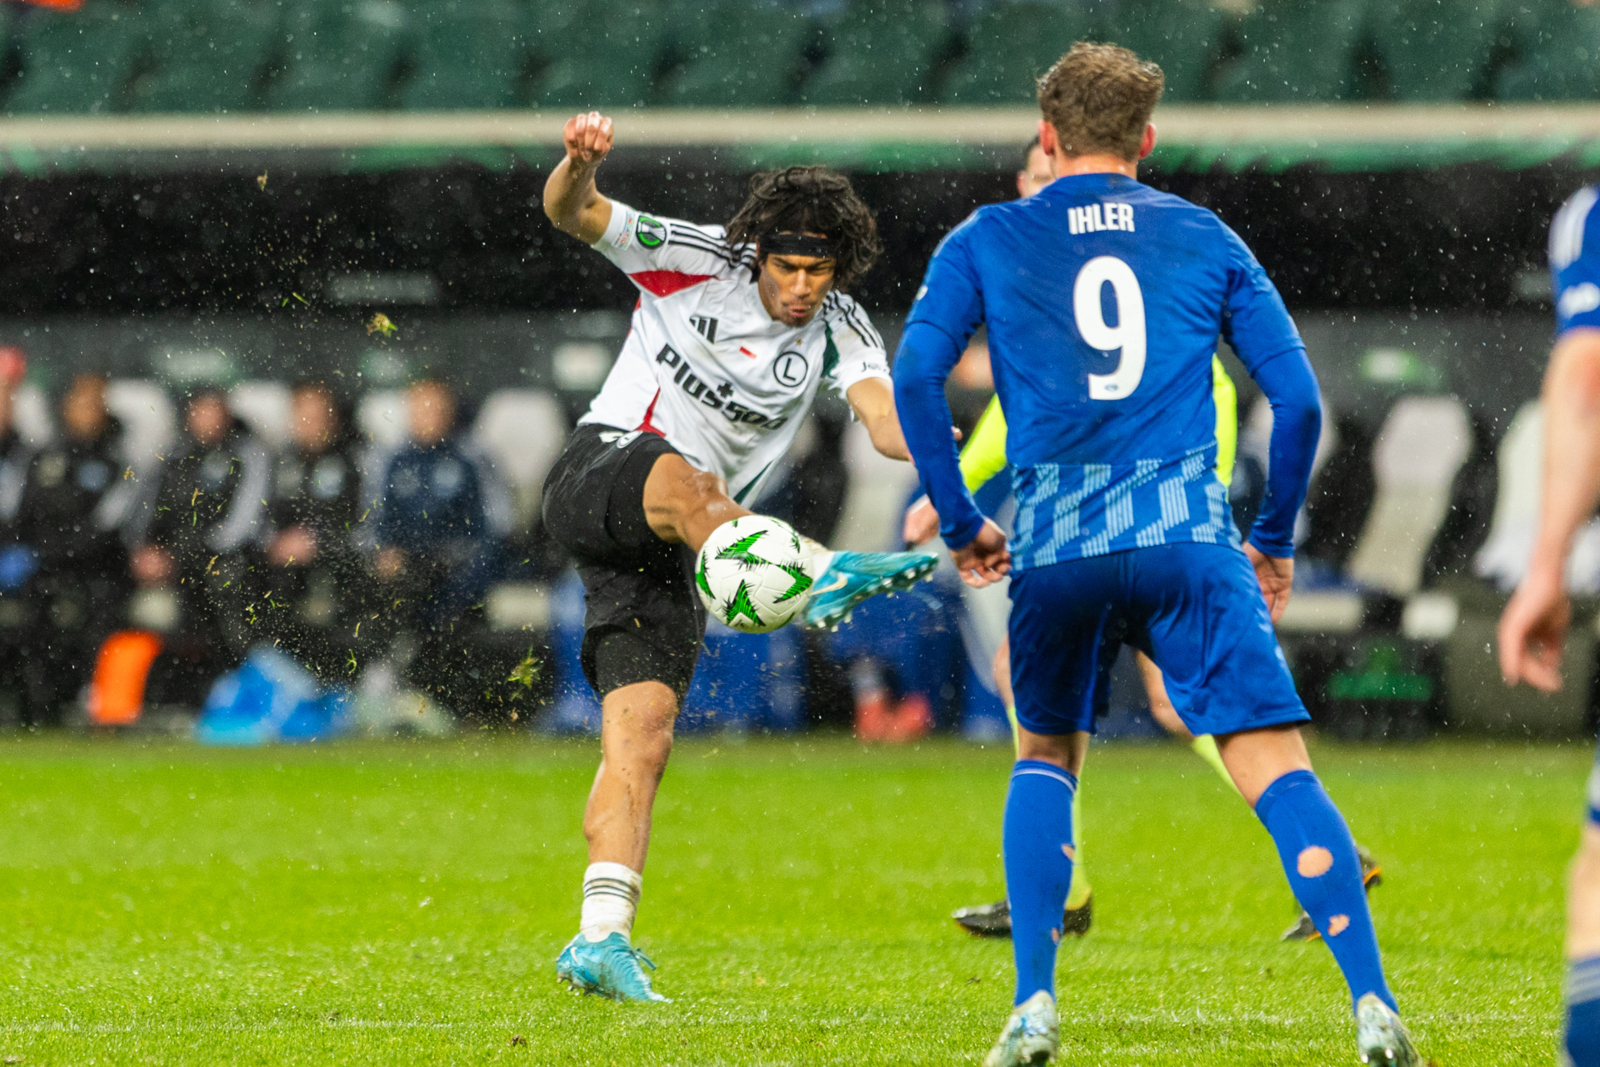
1575	261
1258	327
946	314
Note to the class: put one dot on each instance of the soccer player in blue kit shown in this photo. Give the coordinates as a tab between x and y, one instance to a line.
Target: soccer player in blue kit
1104	300
1533	629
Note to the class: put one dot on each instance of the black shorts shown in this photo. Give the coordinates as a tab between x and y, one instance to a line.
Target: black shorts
643	620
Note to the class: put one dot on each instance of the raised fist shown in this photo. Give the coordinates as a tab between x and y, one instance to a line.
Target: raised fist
587	138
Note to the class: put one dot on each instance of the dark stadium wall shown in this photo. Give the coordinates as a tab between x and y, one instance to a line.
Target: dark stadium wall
273	270
209	240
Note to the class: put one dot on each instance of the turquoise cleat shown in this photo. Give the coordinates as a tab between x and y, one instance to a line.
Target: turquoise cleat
851	577
609	967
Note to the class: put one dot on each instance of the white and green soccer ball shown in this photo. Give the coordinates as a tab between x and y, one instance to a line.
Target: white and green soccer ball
753	573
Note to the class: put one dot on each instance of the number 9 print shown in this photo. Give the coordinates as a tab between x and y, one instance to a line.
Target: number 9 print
1126	337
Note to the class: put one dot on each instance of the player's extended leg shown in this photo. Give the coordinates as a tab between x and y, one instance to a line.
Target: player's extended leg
635	741
1272	771
684	504
1582	1039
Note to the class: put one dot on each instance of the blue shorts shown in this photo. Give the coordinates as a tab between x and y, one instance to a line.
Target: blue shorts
1195	609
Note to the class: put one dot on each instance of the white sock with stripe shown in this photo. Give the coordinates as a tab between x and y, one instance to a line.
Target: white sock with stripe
610	899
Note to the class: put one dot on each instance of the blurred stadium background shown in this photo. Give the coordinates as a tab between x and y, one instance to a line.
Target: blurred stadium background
225	192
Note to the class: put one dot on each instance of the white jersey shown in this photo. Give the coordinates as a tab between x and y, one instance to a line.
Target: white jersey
705	366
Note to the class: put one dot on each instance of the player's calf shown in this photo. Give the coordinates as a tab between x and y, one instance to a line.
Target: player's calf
1319	857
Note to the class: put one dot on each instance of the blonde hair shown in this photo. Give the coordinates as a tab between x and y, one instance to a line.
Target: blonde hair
1099	98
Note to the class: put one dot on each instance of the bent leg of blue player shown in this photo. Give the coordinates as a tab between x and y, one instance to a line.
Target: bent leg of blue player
1273	772
1039	851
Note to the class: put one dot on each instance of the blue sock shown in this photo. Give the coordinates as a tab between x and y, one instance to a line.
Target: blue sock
1039	855
1319	856
1582	1040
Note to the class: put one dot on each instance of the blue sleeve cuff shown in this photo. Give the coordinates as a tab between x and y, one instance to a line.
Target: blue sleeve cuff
1277	548
960	534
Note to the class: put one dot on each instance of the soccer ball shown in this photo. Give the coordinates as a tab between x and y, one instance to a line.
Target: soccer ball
752	573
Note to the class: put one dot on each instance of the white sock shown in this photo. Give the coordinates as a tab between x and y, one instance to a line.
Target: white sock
610	898
820	555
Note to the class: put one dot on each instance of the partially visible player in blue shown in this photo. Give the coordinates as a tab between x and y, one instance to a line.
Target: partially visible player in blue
1104	300
1533	629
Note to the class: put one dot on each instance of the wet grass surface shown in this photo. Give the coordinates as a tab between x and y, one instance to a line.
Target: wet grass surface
404	904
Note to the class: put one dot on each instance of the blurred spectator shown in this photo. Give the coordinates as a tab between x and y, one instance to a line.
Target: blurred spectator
315	576
204	540
77	500
16	563
441	517
14	453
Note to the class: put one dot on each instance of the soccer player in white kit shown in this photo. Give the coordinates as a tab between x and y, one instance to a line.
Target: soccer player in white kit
734	332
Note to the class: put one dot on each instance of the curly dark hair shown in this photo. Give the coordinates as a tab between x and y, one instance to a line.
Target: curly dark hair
811	200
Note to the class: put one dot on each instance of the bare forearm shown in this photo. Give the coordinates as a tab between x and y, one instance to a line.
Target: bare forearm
1572	447
873	402
572	201
570	197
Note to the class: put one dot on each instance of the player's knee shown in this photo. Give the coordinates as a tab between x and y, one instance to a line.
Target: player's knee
701	490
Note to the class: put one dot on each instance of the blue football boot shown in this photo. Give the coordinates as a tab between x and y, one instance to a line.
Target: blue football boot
609	967
851	577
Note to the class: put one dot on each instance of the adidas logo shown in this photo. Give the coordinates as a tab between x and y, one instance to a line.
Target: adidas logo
705	326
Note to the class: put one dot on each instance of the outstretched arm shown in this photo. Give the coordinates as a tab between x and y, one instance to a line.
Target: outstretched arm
571	200
1534	627
872	399
982	458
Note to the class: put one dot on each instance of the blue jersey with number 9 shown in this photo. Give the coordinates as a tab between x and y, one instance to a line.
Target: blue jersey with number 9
1104	300
1575	261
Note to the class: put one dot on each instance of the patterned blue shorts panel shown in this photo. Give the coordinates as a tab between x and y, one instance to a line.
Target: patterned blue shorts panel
1195	609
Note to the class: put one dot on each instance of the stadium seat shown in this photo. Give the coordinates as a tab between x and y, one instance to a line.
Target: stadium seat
207	55
381	418
79	62
1505	554
470	54
1556	50
7	32
31	411
340	55
1181	35
880	53
736	53
1294	51
522	431
1424	441
1504	557
875	502
147	414
597	53
264	407
1010	45
1433	49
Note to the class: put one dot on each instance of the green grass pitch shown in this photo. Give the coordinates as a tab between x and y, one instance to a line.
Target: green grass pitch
404	904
